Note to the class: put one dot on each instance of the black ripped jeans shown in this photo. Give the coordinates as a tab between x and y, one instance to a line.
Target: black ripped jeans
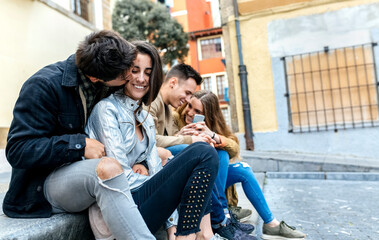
185	181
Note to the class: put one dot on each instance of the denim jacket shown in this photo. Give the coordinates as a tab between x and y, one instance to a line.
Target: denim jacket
112	122
47	131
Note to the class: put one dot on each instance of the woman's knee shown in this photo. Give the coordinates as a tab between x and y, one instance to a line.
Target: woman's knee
242	169
108	168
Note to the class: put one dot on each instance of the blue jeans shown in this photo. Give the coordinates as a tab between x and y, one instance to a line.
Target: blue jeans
218	193
242	172
177	148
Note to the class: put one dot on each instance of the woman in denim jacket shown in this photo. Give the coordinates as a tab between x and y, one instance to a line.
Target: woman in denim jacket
128	134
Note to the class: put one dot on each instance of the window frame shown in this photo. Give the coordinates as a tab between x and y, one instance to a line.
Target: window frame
93	23
207	38
214	83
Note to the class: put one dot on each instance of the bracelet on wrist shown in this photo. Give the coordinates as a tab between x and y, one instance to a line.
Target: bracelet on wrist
214	134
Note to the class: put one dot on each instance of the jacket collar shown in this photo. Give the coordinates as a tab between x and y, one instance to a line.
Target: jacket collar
126	101
70	72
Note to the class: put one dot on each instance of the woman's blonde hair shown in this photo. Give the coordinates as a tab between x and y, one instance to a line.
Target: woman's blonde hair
214	118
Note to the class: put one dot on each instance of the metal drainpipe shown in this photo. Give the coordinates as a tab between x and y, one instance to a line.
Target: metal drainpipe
244	89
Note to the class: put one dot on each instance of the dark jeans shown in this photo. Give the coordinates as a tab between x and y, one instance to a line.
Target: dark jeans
185	181
218	193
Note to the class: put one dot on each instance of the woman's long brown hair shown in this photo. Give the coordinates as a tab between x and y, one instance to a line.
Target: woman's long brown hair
214	118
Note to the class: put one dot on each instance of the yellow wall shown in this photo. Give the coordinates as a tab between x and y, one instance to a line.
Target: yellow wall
33	35
257	59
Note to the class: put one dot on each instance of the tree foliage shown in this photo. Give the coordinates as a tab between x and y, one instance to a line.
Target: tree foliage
145	20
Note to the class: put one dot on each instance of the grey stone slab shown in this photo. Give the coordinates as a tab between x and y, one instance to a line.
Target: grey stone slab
3	187
296	175
328	167
262	165
288	166
2	195
4	165
352	176
263	161
5	177
57	227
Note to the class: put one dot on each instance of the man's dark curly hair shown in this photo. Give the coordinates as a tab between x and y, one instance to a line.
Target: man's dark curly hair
105	55
184	72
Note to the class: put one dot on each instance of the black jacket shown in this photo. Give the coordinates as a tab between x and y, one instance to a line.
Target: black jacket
47	131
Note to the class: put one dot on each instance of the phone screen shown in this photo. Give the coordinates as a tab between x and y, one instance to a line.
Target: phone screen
198	118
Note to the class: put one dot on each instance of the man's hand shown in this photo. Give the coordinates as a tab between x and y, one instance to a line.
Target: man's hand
163	154
93	149
140	169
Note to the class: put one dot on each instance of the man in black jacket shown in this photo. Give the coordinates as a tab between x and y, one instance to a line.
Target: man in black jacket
55	166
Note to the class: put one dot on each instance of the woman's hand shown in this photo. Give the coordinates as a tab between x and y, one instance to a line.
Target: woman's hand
163	154
209	140
203	138
201	127
188	130
140	169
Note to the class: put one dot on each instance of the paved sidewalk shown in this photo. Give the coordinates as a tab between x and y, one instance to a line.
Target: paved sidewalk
327	209
318	203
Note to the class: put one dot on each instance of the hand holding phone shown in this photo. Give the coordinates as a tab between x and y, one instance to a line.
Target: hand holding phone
198	118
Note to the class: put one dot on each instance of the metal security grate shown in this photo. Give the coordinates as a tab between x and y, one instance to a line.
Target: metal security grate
332	89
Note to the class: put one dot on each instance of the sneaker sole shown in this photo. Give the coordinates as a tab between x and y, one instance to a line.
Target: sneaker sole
275	237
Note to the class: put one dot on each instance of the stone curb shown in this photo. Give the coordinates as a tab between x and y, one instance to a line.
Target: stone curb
349	176
312	157
57	227
305	162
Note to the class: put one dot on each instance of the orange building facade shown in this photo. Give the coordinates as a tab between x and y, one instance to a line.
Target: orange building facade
206	47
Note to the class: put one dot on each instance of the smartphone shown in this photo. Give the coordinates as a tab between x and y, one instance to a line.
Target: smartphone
198	118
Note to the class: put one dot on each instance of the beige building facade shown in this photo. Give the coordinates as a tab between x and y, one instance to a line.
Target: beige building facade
312	73
36	33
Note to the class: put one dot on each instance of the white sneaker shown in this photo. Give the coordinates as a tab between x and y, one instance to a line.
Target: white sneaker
99	227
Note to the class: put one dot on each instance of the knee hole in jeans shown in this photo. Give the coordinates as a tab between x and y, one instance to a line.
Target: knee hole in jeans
108	168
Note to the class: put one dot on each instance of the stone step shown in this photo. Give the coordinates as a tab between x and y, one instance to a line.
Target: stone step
272	161
57	227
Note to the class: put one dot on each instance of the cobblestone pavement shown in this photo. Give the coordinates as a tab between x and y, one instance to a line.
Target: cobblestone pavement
326	209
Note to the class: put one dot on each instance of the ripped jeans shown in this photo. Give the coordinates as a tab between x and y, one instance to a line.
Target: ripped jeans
75	187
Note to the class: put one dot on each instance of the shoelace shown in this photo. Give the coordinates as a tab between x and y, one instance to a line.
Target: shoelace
293	228
237	209
233	218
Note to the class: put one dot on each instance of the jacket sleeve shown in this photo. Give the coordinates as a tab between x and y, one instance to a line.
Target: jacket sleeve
31	143
104	126
166	141
153	161
228	145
